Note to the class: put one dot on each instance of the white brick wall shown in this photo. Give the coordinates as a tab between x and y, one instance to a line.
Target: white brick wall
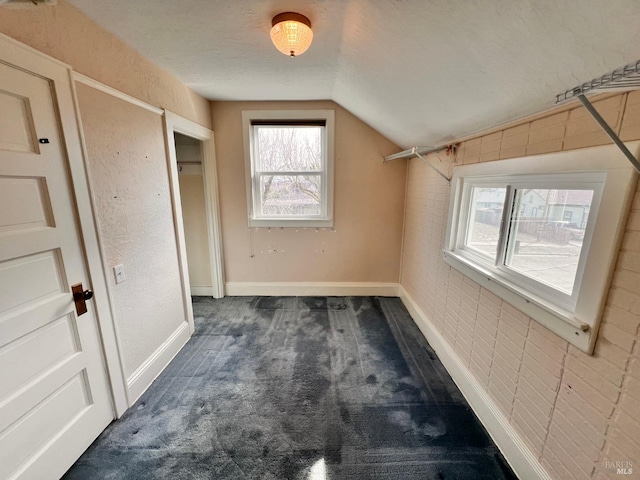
575	411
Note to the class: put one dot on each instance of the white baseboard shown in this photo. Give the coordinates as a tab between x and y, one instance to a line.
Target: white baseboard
201	291
323	289
146	373
522	460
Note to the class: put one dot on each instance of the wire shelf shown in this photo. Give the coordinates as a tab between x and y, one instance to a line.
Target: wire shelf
627	77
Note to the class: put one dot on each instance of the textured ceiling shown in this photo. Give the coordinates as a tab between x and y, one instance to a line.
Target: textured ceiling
422	72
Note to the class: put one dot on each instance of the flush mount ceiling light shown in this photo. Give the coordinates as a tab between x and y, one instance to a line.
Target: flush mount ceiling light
291	33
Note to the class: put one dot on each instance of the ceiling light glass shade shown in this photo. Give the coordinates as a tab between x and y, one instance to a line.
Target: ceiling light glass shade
291	33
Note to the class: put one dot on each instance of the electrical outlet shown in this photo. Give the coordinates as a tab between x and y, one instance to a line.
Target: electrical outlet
118	272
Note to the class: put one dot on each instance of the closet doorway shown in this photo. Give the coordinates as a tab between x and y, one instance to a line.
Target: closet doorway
194	214
194	191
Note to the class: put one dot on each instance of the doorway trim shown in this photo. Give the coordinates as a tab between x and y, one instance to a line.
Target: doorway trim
177	124
61	75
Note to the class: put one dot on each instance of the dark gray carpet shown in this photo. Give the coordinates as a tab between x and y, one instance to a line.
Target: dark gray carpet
298	388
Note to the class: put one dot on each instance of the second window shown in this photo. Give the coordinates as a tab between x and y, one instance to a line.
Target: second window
290	161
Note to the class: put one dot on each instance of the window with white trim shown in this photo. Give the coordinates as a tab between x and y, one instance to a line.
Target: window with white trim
542	233
289	167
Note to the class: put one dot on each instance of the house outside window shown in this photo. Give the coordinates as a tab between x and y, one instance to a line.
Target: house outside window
289	167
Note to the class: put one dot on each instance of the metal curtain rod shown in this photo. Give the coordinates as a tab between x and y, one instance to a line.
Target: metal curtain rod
627	77
419	152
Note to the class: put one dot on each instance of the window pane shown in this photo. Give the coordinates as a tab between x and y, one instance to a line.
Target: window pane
290	195
485	216
546	235
289	148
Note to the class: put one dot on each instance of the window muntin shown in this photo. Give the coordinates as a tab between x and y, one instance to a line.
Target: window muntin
289	164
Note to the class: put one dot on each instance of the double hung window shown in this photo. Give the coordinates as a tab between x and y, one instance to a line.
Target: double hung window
289	162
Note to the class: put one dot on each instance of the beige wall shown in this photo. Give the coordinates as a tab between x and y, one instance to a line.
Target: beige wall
575	411
195	229
127	162
67	34
363	246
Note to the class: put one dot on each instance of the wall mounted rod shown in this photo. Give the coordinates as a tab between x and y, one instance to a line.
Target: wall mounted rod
419	152
412	152
609	131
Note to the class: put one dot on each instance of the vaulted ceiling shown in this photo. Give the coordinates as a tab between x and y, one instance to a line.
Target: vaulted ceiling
421	72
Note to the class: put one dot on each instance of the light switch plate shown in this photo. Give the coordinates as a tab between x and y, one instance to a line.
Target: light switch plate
118	272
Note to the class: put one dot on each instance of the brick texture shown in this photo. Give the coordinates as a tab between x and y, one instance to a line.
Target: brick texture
576	412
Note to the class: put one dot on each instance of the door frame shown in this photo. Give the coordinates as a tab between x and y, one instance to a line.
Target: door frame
176	124
60	75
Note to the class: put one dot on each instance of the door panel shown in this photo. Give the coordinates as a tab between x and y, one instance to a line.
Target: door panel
54	394
32	195
56	341
17	132
29	278
31	433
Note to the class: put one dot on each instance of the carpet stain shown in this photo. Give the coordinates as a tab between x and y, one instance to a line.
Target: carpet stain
284	388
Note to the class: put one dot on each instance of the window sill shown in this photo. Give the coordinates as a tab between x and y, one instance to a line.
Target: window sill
292	223
556	319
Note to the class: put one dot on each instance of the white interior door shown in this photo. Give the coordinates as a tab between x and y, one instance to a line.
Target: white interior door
54	394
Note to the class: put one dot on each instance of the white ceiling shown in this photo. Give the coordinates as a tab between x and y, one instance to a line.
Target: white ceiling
422	72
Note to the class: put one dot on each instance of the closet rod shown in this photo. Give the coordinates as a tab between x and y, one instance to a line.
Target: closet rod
414	151
626	78
419	152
